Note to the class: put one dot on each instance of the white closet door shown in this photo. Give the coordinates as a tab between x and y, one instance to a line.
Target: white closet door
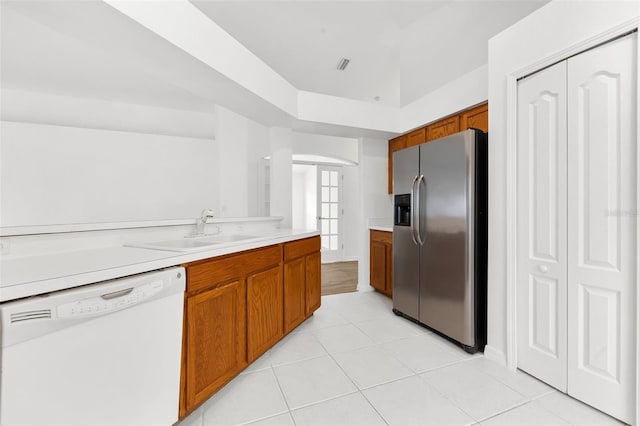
602	258
542	226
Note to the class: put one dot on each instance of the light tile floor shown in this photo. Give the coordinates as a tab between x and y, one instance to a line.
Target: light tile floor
356	363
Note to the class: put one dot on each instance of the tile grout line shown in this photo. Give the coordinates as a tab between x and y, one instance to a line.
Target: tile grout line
199	420
284	397
358	390
504	411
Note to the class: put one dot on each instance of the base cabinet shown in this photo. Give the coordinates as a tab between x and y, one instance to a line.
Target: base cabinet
313	290
264	311
381	261
238	306
301	281
294	293
215	344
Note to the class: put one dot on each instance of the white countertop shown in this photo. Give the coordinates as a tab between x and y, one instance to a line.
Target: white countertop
32	275
381	228
381	224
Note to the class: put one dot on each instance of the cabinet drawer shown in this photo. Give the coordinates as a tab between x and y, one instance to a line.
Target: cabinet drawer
381	236
216	271
299	248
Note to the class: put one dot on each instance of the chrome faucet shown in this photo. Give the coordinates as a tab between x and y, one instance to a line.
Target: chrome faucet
204	216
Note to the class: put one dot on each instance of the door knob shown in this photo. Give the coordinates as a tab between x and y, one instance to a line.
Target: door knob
543	268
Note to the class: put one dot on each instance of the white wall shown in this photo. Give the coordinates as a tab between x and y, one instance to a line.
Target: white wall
328	146
536	41
304	196
241	144
257	149
49	108
457	95
55	175
98	161
374	201
68	160
351	220
321	108
233	172
281	140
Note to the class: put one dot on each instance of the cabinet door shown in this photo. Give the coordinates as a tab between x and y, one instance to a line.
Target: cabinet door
477	118
602	280
264	311
542	226
313	282
443	128
377	266
294	293
216	340
394	145
416	137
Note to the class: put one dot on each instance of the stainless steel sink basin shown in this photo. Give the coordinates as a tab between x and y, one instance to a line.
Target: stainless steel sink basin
190	244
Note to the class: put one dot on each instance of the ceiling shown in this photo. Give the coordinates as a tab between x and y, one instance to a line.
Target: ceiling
398	50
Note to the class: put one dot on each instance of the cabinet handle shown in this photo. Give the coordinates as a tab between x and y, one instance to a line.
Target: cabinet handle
543	268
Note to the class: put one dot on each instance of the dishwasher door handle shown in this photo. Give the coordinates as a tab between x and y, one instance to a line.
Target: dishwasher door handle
119	293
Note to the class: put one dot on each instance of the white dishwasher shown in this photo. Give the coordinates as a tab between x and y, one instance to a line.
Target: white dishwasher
102	354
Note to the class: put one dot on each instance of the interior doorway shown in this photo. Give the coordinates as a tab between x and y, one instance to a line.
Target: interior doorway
318	191
317	204
329	212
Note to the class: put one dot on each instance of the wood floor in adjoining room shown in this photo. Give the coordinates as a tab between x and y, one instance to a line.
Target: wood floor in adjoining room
339	277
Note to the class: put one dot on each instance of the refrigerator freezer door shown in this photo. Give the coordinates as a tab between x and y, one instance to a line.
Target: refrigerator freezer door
406	253
446	212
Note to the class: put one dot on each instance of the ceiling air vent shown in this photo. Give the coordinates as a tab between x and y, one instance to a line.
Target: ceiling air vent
343	64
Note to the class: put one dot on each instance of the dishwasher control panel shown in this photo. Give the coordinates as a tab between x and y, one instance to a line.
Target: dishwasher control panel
109	302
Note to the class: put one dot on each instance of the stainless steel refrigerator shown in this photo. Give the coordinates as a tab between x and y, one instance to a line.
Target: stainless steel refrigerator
440	236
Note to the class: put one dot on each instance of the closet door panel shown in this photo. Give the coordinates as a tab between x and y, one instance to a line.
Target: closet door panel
542	221
602	257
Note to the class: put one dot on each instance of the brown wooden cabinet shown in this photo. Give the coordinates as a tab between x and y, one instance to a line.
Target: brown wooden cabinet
312	266
416	137
215	345
294	293
238	306
443	128
301	280
476	117
381	261
233	314
264	311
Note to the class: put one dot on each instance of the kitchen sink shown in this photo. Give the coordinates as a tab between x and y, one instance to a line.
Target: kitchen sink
191	244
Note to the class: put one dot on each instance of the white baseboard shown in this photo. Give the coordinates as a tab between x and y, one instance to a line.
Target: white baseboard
495	354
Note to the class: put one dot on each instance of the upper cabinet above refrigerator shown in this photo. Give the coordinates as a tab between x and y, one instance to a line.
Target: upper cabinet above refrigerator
473	118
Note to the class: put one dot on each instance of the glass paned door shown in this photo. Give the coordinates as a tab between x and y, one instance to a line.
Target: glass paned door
330	212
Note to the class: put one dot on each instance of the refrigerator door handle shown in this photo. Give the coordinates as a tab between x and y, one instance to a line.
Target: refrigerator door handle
413	210
418	231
